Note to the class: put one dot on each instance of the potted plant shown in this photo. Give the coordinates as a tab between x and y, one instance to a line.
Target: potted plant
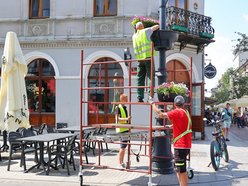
168	91
147	22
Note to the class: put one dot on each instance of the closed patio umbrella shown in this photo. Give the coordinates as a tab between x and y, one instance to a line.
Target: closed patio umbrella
14	111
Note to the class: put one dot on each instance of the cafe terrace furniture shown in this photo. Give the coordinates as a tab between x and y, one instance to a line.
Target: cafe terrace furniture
17	146
64	152
41	139
86	135
74	128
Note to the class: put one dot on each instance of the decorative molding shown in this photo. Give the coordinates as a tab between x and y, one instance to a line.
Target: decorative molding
104	28
37	29
75	44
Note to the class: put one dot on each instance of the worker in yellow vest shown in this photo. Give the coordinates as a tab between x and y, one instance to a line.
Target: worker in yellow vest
121	117
142	50
182	135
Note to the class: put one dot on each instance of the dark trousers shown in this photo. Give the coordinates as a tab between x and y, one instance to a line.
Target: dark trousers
143	70
240	122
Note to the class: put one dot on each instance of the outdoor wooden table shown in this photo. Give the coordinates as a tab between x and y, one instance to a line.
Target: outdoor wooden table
74	128
41	139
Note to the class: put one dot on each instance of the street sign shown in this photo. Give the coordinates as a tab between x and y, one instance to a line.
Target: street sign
210	71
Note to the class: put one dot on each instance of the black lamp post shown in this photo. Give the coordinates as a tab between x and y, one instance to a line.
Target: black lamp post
161	145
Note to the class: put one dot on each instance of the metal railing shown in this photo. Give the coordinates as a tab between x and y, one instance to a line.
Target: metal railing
190	22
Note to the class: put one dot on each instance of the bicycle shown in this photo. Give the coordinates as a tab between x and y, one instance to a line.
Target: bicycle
218	147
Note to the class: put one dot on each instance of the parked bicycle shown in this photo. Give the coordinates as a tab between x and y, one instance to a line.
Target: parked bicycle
218	147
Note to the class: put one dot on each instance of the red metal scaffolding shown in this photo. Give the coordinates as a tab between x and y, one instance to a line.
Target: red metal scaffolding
129	87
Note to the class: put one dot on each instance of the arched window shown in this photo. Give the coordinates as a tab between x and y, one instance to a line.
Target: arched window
103	75
41	92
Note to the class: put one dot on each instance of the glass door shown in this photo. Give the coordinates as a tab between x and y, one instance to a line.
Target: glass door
100	109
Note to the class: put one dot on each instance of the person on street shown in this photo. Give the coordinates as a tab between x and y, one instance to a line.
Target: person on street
121	117
116	92
142	50
245	113
227	116
182	135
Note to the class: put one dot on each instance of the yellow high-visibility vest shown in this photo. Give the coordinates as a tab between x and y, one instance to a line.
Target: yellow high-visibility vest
123	115
141	45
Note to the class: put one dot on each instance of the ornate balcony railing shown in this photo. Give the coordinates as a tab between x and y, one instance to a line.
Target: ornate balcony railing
193	28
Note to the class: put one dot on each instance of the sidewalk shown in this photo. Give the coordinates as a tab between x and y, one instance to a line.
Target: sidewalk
233	173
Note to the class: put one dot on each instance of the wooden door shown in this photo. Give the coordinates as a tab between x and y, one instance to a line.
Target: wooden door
177	72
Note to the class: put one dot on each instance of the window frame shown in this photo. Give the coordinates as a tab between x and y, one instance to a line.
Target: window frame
105	9
185	4
40	14
41	78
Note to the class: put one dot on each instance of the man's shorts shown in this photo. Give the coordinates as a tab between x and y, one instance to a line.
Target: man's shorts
123	146
227	124
180	159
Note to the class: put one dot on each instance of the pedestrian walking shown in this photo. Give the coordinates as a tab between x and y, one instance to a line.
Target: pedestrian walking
227	116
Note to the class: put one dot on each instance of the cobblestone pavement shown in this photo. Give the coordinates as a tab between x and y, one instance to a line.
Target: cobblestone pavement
233	173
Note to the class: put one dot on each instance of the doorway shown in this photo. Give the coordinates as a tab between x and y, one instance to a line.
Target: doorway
177	72
100	109
41	92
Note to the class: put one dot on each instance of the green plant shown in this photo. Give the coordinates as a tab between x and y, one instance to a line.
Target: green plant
147	22
175	88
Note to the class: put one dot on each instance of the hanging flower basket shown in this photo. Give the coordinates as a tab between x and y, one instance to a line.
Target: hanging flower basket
168	91
147	22
166	98
164	39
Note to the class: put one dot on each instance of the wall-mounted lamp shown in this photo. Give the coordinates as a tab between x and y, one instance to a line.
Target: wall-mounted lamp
127	54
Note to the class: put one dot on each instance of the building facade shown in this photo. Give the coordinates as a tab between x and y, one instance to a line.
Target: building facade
53	34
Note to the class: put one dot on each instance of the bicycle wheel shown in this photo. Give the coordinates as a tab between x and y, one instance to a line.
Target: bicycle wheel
225	154
215	154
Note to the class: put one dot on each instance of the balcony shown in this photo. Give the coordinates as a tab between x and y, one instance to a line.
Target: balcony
193	28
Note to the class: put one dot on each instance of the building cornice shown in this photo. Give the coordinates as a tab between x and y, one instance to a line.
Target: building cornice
74	44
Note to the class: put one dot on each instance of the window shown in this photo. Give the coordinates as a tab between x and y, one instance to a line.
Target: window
178	3
105	7
40	85
196	100
39	8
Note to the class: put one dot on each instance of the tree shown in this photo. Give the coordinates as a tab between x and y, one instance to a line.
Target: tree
232	83
223	91
240	85
242	45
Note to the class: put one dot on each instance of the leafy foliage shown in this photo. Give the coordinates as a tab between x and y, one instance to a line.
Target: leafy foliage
232	85
242	45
